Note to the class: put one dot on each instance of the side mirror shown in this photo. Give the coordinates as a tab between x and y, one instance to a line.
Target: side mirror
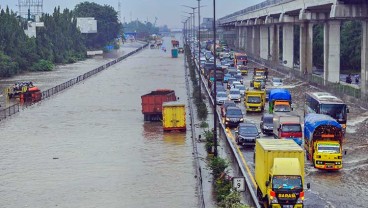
267	183
292	109
308	185
345	152
347	110
236	131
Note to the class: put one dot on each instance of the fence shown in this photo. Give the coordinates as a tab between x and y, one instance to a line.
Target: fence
345	91
4	113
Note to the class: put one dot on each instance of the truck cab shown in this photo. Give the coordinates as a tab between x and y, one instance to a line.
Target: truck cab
287	126
254	100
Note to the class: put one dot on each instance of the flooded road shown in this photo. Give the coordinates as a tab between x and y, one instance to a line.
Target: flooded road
89	147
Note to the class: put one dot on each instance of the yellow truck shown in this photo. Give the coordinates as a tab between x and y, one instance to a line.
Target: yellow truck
279	173
173	116
254	100
243	69
323	137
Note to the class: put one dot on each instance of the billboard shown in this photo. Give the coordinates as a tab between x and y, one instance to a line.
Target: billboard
87	24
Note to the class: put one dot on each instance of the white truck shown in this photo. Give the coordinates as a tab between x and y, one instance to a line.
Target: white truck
287	126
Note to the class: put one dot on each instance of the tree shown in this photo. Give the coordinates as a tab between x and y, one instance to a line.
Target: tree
108	27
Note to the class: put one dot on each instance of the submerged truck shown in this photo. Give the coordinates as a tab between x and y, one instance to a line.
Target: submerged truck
323	137
279	173
287	126
152	103
279	101
254	100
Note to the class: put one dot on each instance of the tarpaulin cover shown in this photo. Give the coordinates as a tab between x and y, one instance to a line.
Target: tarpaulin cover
280	94
313	121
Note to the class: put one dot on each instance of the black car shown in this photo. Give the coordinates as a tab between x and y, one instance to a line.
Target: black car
246	134
266	124
233	116
227	103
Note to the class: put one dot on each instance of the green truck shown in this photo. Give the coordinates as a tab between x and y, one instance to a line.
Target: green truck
279	173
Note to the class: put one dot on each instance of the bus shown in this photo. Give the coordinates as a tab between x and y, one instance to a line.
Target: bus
240	59
325	103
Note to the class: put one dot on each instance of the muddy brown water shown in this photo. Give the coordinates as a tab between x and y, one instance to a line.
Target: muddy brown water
88	146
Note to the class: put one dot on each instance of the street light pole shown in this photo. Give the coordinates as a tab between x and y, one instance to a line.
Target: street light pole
214	82
199	49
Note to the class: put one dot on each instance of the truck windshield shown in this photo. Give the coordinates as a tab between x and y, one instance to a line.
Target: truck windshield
286	182
329	148
253	99
291	128
281	108
336	111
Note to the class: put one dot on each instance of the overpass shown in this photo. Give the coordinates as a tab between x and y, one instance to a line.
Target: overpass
257	30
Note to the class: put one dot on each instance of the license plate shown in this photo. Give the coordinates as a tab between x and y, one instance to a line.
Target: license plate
287	206
329	166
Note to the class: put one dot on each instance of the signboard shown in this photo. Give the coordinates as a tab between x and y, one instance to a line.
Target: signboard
87	24
239	183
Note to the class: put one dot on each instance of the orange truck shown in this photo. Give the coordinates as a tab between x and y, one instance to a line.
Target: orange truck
279	101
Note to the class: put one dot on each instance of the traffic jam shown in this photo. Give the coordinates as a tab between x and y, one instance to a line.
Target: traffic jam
276	139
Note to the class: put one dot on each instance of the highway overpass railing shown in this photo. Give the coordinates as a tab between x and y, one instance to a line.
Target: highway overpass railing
13	109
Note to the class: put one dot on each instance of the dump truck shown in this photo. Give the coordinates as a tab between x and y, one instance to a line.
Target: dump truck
279	173
254	100
323	137
243	69
173	116
279	101
260	72
175	43
287	126
152	103
258	82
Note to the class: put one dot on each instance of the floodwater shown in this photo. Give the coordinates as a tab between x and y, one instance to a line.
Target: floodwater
88	146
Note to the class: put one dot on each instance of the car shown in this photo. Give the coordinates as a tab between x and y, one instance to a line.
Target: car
276	82
219	88
230	81
239	78
221	97
246	134
233	116
235	83
227	103
234	94
241	89
226	77
266	124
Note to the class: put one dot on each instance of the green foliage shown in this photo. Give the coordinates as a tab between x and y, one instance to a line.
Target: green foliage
108	25
218	166
142	29
223	189
318	45
232	201
351	37
42	65
203	124
7	66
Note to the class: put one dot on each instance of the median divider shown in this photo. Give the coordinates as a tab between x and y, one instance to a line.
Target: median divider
249	194
13	109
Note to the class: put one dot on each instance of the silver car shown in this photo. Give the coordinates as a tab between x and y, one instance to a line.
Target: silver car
234	94
276	82
221	97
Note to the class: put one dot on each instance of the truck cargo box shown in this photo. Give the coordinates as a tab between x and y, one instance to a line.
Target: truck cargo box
152	103
173	116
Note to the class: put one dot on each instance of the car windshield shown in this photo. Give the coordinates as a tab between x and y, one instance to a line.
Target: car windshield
240	87
234	112
291	128
336	111
253	99
221	94
282	108
234	92
268	120
329	148
286	182
229	104
248	130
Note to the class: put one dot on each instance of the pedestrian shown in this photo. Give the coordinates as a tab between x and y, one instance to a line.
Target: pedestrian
356	79
266	73
348	79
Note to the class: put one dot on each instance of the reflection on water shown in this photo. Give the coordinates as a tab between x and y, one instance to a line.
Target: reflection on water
175	138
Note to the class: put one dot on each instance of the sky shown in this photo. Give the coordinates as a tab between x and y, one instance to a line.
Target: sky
168	12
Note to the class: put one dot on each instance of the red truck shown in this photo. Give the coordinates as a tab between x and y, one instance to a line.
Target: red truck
152	103
175	43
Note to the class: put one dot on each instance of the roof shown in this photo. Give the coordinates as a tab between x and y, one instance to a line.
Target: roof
160	92
280	94
313	121
325	97
173	103
279	144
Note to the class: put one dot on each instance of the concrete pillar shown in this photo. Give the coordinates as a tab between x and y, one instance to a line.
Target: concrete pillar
245	38
332	51
306	47
364	68
288	44
250	40
256	41
274	43
238	36
263	41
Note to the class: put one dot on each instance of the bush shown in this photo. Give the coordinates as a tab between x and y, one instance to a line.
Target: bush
42	65
218	166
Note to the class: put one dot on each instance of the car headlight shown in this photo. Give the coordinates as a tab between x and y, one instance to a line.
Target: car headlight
338	163
227	119
274	201
242	119
299	201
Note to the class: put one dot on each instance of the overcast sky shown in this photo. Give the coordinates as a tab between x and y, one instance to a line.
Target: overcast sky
168	12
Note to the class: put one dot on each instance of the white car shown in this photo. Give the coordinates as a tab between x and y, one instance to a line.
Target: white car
276	82
241	89
234	83
234	94
221	97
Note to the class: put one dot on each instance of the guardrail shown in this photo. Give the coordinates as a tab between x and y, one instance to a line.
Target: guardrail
249	193
4	113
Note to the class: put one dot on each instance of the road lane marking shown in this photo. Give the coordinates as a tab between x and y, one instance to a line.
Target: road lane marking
242	157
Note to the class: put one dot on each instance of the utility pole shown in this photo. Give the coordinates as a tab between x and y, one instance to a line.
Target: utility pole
199	49
214	82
